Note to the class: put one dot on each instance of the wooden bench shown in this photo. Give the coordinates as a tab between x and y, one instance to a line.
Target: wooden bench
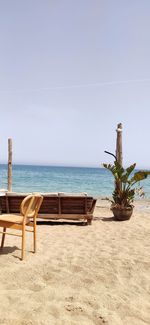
55	205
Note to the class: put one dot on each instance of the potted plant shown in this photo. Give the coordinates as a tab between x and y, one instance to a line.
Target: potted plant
124	192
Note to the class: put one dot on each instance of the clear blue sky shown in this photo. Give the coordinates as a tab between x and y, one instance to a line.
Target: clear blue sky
69	72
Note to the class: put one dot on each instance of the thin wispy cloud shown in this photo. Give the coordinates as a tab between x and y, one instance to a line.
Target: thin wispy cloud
86	85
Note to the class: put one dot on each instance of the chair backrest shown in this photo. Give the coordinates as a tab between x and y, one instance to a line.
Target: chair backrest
31	205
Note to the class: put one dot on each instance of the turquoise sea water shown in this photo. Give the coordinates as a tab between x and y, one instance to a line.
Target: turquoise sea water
94	181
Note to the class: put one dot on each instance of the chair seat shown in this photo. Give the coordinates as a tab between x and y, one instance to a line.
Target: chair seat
14	218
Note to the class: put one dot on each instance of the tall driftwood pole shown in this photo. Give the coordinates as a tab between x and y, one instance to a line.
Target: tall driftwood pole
119	144
9	165
119	152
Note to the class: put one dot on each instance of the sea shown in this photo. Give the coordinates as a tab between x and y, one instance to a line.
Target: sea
97	182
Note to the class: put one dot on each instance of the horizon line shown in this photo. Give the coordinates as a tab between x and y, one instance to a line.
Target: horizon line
62	165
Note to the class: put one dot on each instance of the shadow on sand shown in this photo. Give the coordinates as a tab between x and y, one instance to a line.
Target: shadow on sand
108	219
105	219
8	250
58	223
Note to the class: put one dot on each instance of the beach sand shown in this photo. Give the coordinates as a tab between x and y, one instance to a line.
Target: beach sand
81	275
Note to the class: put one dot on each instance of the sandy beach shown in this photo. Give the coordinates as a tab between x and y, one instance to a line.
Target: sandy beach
98	274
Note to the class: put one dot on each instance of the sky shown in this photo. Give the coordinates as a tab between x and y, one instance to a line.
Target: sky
70	71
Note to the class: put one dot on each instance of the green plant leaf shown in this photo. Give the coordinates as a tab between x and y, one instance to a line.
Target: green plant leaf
139	176
130	169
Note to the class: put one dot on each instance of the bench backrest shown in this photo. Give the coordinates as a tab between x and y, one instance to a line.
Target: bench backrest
52	204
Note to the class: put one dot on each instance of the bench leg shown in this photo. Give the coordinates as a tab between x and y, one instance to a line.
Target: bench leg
89	221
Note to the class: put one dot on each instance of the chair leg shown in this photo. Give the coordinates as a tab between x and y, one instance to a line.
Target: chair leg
89	221
23	243
3	238
34	237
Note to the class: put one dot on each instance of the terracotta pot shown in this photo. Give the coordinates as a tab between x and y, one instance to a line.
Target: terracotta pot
122	214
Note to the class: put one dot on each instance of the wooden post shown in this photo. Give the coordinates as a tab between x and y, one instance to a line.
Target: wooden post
119	144
119	152
9	165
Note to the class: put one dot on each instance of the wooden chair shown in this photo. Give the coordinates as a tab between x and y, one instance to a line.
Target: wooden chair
27	218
